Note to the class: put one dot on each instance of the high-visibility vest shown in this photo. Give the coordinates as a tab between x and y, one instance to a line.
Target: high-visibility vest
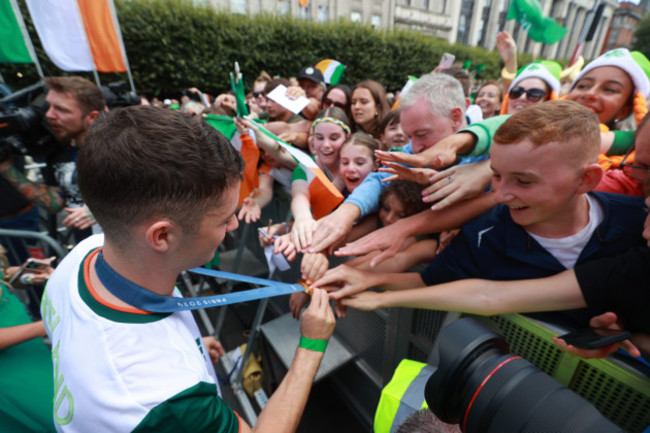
402	396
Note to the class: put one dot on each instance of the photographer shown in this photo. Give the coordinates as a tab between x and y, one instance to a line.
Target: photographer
74	104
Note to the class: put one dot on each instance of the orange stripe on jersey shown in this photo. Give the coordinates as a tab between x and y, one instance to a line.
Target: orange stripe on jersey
94	294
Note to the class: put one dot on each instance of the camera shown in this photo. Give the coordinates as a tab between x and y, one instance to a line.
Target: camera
117	94
484	388
23	128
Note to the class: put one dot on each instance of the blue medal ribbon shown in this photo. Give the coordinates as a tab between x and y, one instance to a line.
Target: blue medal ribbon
139	297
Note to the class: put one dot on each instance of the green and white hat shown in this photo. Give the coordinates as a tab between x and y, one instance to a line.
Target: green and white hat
546	70
635	64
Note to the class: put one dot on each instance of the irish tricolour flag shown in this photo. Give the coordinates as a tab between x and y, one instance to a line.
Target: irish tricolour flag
323	195
332	70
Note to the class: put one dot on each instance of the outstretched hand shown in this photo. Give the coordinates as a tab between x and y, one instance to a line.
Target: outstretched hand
389	240
318	320
215	349
457	183
412	174
607	320
343	281
506	46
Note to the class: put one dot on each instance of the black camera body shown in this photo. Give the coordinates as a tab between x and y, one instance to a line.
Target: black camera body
484	388
117	94
23	128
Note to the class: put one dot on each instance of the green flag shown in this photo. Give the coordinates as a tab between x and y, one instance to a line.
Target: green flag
540	28
12	47
223	124
237	85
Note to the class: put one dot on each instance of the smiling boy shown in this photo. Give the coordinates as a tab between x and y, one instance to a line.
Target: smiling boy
544	167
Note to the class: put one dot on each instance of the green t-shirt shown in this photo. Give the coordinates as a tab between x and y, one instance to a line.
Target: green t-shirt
26	378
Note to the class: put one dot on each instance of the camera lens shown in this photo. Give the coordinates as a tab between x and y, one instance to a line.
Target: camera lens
483	388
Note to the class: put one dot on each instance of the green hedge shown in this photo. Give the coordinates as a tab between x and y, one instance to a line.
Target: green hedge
174	44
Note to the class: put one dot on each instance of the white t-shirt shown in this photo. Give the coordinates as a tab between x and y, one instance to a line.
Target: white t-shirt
567	250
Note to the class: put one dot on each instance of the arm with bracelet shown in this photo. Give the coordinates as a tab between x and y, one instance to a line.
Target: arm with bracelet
283	411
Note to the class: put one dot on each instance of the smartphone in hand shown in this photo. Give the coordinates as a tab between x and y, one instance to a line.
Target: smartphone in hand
594	338
446	61
32	266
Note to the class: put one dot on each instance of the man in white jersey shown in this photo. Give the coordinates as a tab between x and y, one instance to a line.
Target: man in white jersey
164	187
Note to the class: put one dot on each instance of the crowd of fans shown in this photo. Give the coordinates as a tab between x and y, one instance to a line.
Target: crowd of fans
450	189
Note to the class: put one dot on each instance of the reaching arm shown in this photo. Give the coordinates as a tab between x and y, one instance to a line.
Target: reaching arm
304	223
284	409
508	51
345	281
440	155
13	335
390	239
251	209
333	227
47	197
485	297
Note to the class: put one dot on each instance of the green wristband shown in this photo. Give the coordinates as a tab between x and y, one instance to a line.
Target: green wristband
315	345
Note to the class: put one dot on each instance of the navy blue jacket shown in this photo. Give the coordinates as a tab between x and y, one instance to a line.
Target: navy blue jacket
494	247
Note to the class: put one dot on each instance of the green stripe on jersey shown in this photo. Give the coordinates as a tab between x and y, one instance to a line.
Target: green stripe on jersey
108	313
197	409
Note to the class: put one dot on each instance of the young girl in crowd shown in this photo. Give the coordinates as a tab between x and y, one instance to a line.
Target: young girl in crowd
328	132
368	105
400	199
392	136
357	160
489	97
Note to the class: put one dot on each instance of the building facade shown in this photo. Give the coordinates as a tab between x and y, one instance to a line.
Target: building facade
470	22
624	21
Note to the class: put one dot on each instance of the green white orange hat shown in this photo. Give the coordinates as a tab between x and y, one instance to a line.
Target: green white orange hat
546	70
635	64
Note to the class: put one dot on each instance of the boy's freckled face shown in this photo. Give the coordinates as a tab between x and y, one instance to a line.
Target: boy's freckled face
199	247
536	184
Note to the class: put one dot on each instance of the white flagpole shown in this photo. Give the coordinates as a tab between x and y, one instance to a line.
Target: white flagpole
116	23
26	37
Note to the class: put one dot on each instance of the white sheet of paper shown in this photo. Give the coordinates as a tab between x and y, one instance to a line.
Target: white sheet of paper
275	261
279	95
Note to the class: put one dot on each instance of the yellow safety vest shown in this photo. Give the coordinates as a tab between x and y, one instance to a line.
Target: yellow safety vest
403	395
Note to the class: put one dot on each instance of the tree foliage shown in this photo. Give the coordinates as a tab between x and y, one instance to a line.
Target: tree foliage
175	44
642	36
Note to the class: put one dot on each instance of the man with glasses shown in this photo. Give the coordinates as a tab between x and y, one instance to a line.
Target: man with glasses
634	167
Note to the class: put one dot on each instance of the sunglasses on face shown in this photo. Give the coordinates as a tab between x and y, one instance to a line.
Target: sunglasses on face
258	94
532	95
329	102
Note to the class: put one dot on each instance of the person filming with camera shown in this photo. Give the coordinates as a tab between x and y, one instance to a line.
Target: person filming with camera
74	104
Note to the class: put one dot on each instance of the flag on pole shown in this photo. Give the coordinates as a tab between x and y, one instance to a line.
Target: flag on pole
237	85
61	31
324	197
100	26
540	28
332	70
13	48
245	145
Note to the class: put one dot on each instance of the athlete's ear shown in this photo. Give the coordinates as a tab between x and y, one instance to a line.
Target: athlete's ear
161	234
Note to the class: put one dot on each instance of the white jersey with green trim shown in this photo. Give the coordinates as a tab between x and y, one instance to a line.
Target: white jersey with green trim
113	368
